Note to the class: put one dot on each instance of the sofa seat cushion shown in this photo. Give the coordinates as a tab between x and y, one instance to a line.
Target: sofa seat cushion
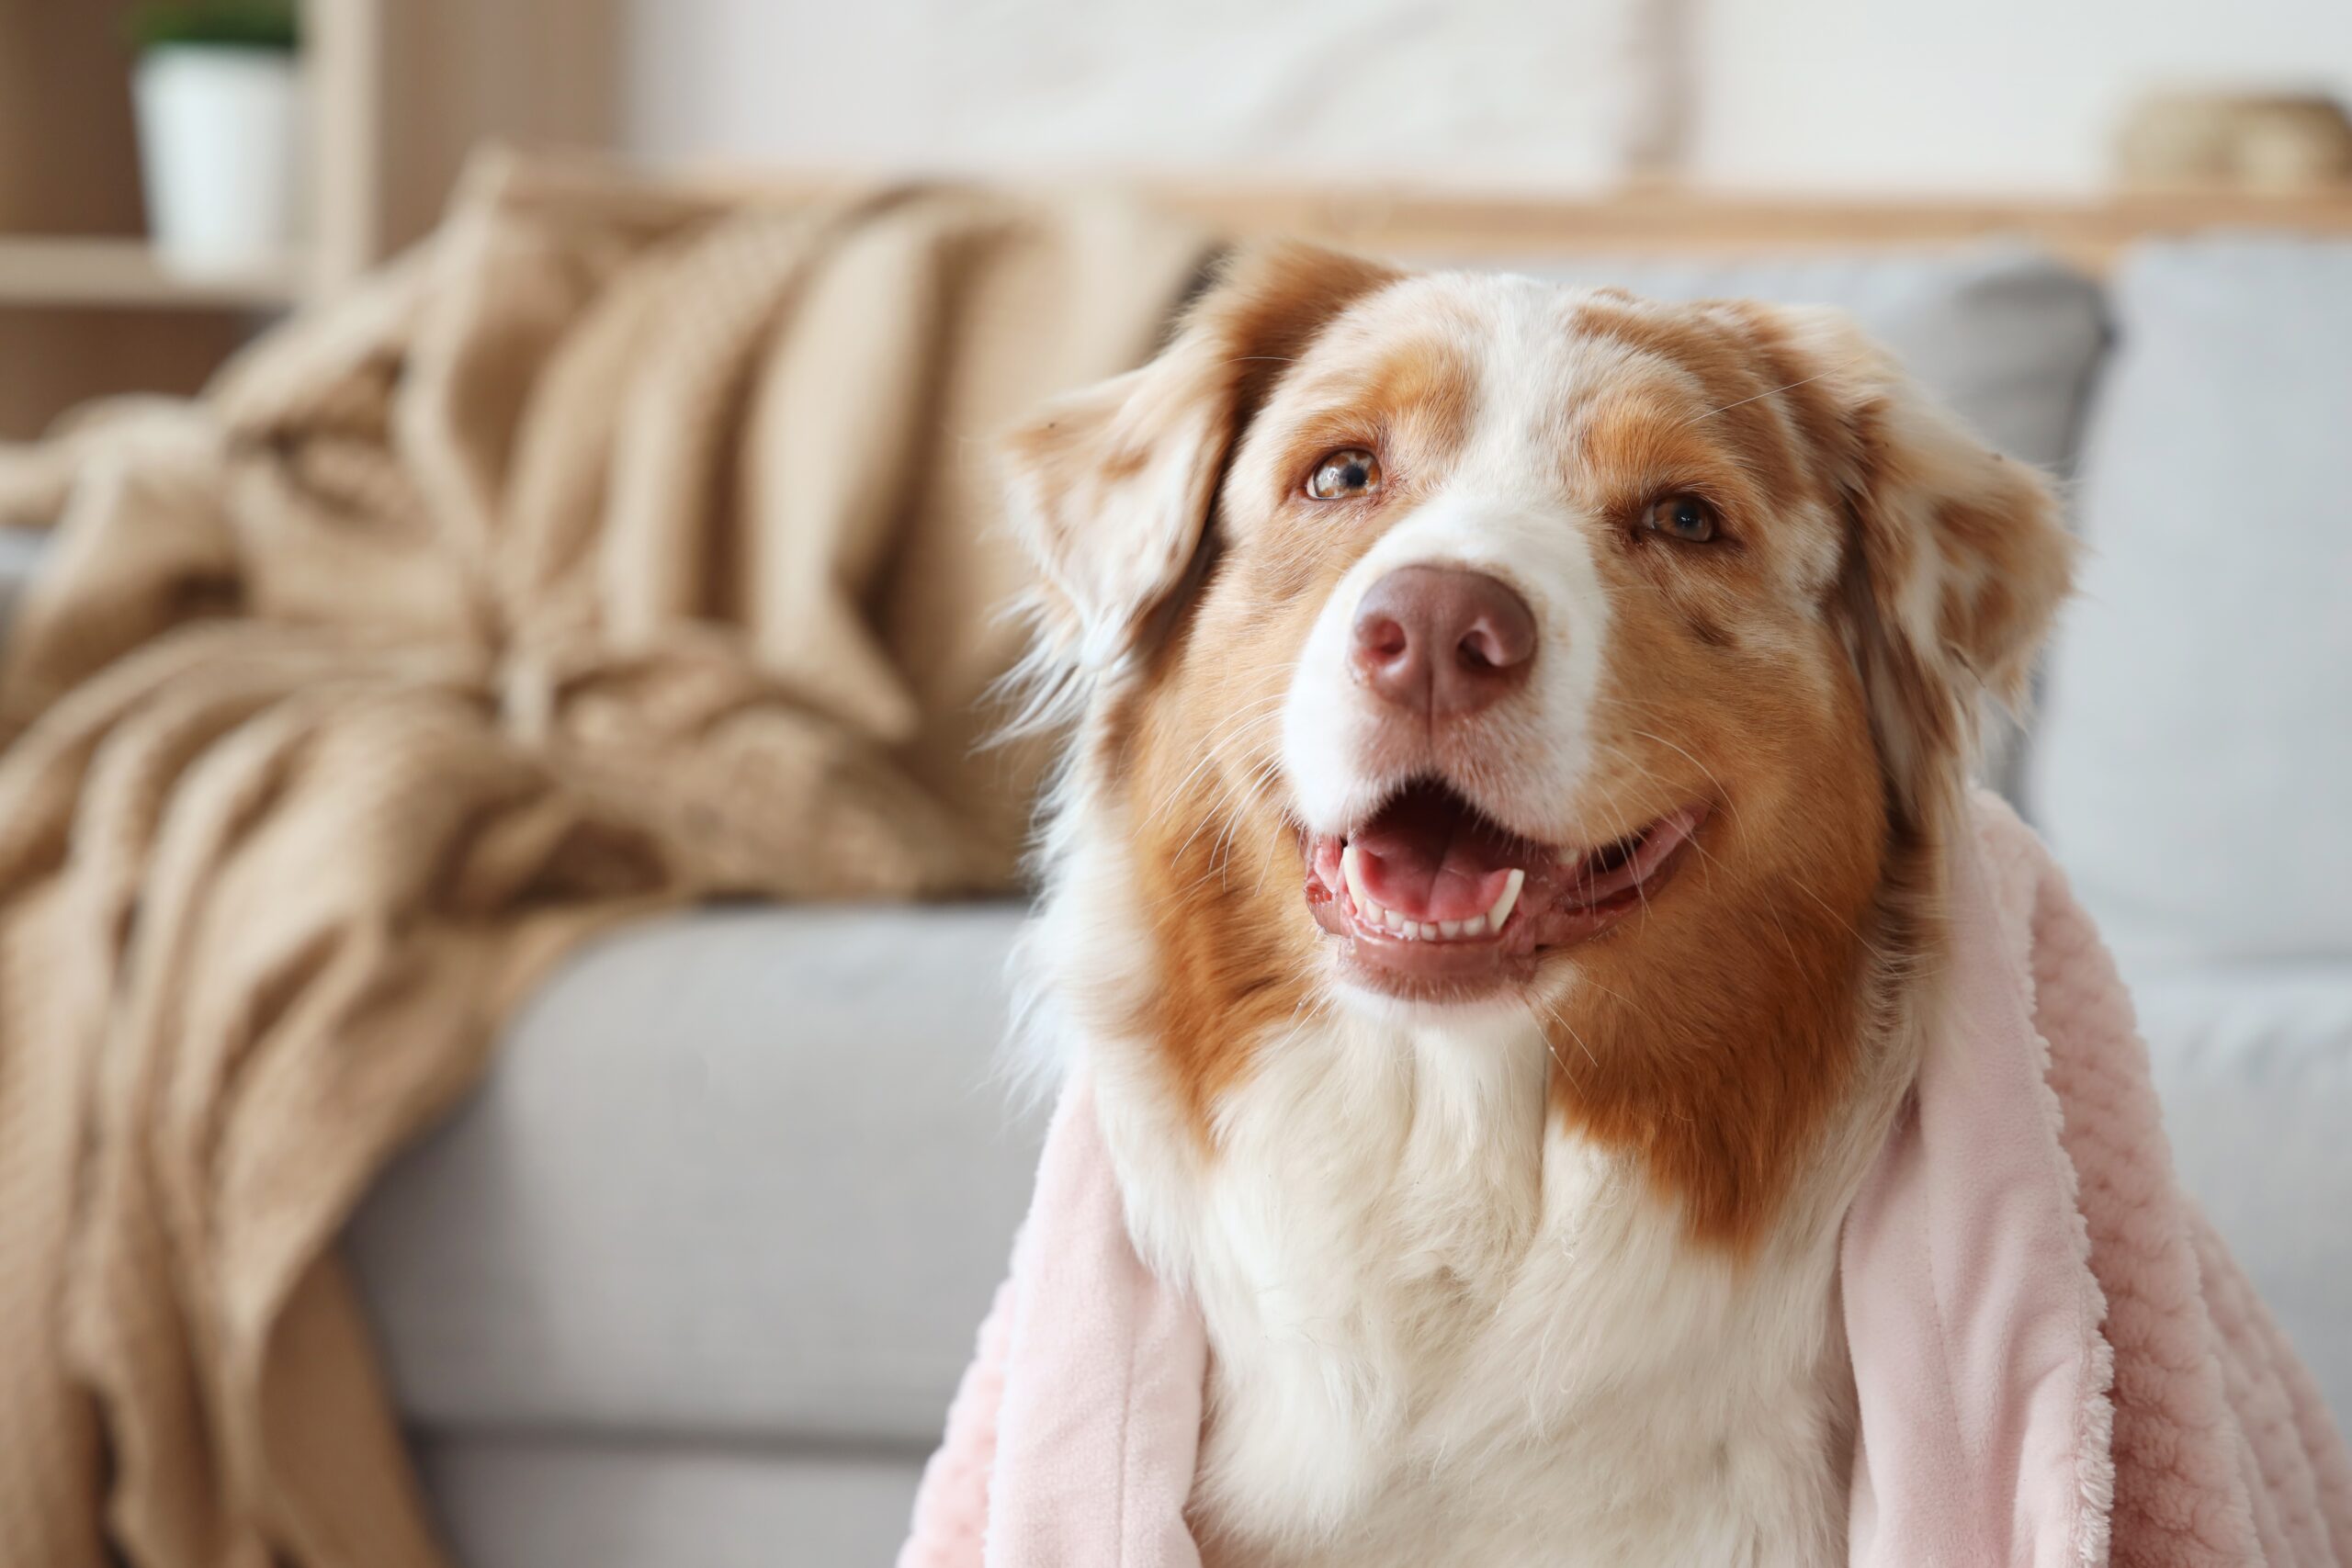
734	1172
538	1501
2255	1066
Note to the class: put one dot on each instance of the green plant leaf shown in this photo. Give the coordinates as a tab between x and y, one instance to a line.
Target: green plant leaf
245	24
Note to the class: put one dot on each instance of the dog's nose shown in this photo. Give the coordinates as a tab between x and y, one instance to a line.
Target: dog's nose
1442	640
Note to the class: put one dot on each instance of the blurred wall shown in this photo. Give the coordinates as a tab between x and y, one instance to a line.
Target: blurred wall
1983	94
1470	87
1858	95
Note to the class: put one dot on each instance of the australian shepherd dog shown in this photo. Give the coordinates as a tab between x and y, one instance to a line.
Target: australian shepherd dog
1495	882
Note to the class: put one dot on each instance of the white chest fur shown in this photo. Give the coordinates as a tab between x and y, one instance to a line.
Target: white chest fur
1445	1330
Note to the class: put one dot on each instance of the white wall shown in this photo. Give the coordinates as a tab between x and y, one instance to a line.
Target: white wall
1857	94
1985	94
1441	88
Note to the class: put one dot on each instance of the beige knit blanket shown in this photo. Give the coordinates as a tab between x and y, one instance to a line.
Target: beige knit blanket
621	547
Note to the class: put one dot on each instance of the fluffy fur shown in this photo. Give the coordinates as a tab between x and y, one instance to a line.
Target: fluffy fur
1540	1270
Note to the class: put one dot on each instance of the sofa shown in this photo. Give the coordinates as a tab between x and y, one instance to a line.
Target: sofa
690	1280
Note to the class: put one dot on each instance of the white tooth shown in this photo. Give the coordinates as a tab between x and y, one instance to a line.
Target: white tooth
1371	912
1353	870
1450	929
1428	931
1475	926
1396	922
1501	911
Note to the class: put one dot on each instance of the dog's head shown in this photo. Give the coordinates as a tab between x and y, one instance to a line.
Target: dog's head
1531	623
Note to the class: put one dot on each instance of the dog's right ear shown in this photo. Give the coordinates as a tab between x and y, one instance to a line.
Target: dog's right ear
1111	488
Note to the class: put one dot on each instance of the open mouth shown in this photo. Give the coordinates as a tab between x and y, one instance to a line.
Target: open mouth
1432	896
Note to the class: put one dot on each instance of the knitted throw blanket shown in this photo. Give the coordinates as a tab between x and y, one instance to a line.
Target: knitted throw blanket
620	546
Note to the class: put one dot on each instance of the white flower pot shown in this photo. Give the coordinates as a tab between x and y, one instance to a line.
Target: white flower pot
220	147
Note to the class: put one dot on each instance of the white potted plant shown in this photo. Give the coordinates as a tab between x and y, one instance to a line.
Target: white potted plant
220	107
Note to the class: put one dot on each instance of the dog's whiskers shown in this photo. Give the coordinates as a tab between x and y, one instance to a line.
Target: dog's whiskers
1766	393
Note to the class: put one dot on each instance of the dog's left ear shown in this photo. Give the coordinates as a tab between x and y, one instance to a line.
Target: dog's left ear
1111	488
1956	558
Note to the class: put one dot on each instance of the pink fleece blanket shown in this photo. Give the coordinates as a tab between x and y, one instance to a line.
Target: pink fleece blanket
2058	1362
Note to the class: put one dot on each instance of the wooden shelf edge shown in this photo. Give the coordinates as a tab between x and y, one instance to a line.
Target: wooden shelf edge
98	271
2091	229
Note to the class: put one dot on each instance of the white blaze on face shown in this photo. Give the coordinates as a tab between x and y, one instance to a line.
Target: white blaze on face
1499	509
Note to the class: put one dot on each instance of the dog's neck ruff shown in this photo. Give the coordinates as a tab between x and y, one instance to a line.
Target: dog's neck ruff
1446	1327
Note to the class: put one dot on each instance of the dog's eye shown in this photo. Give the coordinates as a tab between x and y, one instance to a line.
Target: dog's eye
1352	470
1682	517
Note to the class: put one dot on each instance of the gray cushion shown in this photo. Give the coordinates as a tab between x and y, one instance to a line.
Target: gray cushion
2192	762
742	1171
508	1502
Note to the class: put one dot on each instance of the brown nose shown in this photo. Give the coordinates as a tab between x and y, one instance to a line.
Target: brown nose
1439	640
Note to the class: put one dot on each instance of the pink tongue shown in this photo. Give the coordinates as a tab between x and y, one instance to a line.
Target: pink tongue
1429	860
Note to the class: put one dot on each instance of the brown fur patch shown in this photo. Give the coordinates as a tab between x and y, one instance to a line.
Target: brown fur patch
1820	419
1927	501
1412	405
1742	418
1113	532
1710	1038
1268	309
1216	874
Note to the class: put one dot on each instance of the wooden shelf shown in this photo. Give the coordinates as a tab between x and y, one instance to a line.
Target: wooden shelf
2090	231
395	91
40	269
